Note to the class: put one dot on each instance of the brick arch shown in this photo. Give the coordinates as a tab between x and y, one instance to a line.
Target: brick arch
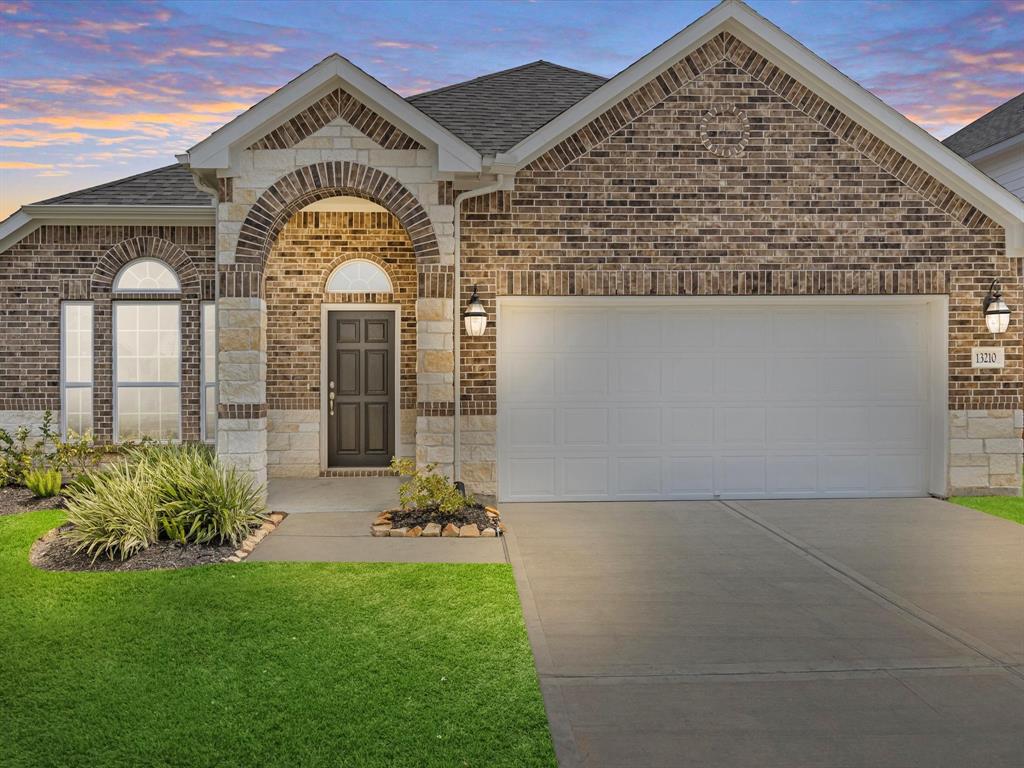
303	186
110	263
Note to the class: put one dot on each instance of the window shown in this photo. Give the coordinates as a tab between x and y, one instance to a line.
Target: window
359	276
76	367
147	370
209	373
146	276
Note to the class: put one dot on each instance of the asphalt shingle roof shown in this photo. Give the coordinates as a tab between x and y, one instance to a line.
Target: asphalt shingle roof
1002	123
170	185
495	112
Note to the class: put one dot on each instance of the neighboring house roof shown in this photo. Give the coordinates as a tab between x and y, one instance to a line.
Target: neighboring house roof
170	185
1002	123
495	112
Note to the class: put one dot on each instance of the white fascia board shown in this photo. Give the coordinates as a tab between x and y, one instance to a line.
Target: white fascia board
214	152
815	73
30	217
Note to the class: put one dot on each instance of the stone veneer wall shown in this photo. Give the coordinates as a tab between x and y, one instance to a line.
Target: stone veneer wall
61	263
725	177
309	248
986	452
317	155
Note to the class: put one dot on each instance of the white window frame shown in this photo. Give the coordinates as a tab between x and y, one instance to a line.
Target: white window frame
205	386
143	384
132	263
64	383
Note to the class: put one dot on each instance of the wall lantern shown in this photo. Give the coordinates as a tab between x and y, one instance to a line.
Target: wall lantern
476	316
997	314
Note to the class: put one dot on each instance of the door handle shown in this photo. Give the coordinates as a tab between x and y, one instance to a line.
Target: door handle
330	401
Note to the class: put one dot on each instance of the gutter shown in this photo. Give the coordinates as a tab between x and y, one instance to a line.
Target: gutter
457	319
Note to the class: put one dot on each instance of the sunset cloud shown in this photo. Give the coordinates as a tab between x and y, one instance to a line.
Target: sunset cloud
93	91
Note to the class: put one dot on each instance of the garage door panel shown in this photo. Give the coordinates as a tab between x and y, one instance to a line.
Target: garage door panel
586	427
741	377
688	378
619	402
640	427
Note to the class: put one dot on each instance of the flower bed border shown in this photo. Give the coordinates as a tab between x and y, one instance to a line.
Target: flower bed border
249	543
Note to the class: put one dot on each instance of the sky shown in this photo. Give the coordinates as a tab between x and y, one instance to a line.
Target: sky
94	91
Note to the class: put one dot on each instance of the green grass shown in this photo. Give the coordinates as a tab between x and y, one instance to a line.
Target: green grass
1008	507
268	664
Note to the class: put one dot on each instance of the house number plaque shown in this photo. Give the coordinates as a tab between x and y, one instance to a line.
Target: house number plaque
987	357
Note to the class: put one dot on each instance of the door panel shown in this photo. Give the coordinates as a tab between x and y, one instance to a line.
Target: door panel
360	373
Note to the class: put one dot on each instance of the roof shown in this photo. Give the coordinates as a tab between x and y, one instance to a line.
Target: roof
170	185
495	112
1002	123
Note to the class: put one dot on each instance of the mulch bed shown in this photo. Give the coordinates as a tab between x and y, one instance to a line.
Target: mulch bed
16	498
54	553
402	518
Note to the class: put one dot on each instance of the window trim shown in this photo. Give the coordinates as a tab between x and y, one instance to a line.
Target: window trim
64	383
204	385
115	387
125	267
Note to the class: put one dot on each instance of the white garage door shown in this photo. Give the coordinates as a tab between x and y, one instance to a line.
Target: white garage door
648	399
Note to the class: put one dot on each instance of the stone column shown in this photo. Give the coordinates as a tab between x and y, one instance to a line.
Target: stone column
985	449
242	385
435	383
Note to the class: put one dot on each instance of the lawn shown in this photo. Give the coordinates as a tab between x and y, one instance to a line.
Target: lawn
268	664
1009	507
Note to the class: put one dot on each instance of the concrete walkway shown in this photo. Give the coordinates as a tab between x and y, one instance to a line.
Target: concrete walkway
329	521
806	633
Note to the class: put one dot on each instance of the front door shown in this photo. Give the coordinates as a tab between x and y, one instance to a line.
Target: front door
360	388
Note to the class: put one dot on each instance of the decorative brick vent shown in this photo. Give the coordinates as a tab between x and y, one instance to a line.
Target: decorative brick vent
725	131
488	525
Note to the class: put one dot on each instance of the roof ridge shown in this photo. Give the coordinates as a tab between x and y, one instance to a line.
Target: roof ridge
104	185
489	75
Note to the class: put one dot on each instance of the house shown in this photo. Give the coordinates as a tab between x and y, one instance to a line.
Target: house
994	144
728	271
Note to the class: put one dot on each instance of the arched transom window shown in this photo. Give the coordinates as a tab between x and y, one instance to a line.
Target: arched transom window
359	276
146	276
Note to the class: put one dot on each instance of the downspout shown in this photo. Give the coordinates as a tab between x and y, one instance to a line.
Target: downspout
457	319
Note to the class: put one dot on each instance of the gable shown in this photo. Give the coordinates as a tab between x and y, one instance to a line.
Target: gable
337	104
724	48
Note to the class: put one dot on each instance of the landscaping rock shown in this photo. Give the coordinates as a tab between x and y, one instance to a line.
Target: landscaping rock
450	530
383	529
276	517
491	511
432	529
399	531
488	532
414	532
469	531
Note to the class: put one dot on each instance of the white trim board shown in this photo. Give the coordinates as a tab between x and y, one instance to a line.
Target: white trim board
324	310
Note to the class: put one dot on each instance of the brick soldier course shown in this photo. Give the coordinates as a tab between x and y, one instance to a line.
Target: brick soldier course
719	174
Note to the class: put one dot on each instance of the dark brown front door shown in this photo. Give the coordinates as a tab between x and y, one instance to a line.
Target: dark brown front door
361	378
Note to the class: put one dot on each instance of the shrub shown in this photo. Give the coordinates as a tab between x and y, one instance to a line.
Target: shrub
115	514
44	483
427	489
200	501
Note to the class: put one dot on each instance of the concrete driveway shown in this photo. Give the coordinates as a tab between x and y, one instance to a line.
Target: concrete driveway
782	633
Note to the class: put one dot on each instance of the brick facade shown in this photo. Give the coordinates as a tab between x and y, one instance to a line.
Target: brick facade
57	263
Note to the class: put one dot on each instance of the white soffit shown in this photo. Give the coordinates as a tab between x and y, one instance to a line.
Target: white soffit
812	71
214	152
